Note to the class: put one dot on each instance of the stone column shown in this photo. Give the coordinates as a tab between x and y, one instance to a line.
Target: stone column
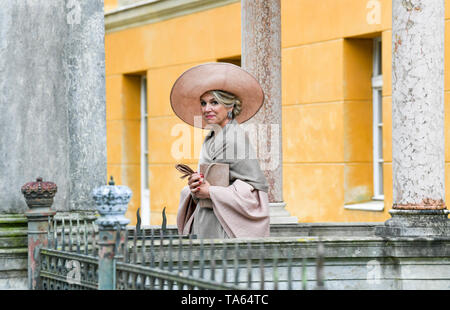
112	203
418	160
261	56
52	100
52	106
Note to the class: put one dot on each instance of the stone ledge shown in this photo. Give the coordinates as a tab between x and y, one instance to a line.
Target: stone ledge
7	219
302	229
151	11
324	229
13	231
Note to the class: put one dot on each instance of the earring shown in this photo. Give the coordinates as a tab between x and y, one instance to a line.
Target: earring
230	114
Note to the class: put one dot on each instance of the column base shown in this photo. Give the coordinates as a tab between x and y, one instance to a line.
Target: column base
279	215
415	223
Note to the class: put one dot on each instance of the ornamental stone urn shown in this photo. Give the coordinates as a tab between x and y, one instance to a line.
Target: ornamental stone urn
112	202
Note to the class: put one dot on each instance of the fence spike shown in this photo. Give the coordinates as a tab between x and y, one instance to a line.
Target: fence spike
212	262
138	222
55	234
152	256
126	252
63	236
190	262
249	265
135	246
161	250
170	283
85	237
261	266
70	234
143	260
49	232
289	252
275	268
190	255
224	263
319	266
152	244
133	280
78	235
180	266
161	255
152	283
202	262
122	242
164	221
236	263
94	242
117	242
170	253
89	239
304	279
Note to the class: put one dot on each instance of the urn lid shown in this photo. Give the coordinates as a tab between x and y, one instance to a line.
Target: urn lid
39	189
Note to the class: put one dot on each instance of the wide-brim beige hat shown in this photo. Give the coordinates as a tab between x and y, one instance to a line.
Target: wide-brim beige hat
193	83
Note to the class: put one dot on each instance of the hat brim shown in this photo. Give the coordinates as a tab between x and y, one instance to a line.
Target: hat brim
193	83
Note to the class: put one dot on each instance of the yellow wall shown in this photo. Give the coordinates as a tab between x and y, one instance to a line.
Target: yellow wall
122	134
162	51
110	5
326	103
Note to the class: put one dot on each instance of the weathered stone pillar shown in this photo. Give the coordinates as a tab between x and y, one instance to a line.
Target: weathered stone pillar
52	103
39	198
52	100
112	203
261	56
417	120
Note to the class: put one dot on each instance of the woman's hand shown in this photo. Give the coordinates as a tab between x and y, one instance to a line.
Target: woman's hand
198	186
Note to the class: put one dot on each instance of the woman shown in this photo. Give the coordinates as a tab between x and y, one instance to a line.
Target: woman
219	96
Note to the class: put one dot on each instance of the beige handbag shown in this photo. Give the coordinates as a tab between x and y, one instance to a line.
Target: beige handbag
216	174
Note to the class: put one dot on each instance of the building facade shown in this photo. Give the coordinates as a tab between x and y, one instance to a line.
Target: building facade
336	101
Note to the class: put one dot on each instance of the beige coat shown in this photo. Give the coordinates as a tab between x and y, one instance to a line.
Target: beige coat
238	210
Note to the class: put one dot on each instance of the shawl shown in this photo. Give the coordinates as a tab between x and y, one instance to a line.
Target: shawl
240	210
231	145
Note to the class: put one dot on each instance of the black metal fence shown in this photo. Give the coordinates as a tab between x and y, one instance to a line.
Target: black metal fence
155	259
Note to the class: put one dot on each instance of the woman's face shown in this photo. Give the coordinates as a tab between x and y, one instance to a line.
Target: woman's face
212	111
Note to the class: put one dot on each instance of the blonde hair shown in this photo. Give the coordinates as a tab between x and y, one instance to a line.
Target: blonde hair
228	100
